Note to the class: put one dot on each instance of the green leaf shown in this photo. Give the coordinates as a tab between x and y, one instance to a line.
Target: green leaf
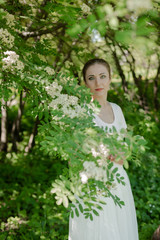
65	201
99	207
126	165
122	203
124	37
72	214
122	178
95	212
49	138
87	209
115	170
59	201
81	208
40	115
86	215
110	165
108	173
118	180
76	212
75	30
91	217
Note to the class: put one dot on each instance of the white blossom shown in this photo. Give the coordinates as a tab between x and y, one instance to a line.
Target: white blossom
30	2
13	223
94	153
138	5
12	62
6	38
68	104
63	79
92	171
85	8
104	150
10	19
89	165
77	111
84	177
101	151
49	70
73	100
41	57
100	174
54	89
68	64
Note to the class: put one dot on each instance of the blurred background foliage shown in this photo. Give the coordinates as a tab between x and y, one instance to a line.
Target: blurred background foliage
64	35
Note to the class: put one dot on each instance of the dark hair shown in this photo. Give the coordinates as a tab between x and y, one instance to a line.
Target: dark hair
94	61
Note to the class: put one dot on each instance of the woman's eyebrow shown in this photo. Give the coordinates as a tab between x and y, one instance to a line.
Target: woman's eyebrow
93	74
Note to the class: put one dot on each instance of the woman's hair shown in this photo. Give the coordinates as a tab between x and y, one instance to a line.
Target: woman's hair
94	61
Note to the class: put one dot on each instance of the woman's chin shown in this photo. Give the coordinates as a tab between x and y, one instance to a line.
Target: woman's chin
99	93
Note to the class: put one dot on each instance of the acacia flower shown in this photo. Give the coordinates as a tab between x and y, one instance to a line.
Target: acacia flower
85	8
6	38
12	62
84	177
49	70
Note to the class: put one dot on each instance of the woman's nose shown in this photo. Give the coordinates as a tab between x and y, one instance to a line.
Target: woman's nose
97	81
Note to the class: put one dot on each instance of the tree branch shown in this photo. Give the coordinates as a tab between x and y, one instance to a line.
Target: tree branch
25	35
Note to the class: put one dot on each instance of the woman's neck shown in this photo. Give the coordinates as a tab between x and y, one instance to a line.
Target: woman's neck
102	100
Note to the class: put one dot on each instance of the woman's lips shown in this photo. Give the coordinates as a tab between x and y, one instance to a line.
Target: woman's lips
99	89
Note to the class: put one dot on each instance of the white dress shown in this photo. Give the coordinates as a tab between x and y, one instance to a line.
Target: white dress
113	223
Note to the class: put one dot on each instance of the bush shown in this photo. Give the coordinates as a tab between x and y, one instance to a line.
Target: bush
28	210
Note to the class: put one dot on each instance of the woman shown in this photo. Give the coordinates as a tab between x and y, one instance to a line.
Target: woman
114	223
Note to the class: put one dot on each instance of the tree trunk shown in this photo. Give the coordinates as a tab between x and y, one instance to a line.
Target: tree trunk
137	80
31	141
117	63
3	146
156	89
15	132
120	71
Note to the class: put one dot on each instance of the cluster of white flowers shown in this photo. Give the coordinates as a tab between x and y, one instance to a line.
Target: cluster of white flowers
68	64
6	38
85	8
49	70
42	57
12	223
30	2
92	171
10	19
83	52
63	79
78	111
102	152
68	104
12	62
137	5
54	89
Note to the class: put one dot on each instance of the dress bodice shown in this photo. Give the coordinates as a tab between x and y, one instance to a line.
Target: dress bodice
119	120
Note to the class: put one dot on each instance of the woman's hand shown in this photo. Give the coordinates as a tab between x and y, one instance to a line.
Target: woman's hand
113	159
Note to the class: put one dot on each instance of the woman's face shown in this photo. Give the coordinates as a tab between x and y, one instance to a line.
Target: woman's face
97	79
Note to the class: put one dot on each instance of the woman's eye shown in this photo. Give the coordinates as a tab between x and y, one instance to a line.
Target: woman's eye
91	78
103	76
